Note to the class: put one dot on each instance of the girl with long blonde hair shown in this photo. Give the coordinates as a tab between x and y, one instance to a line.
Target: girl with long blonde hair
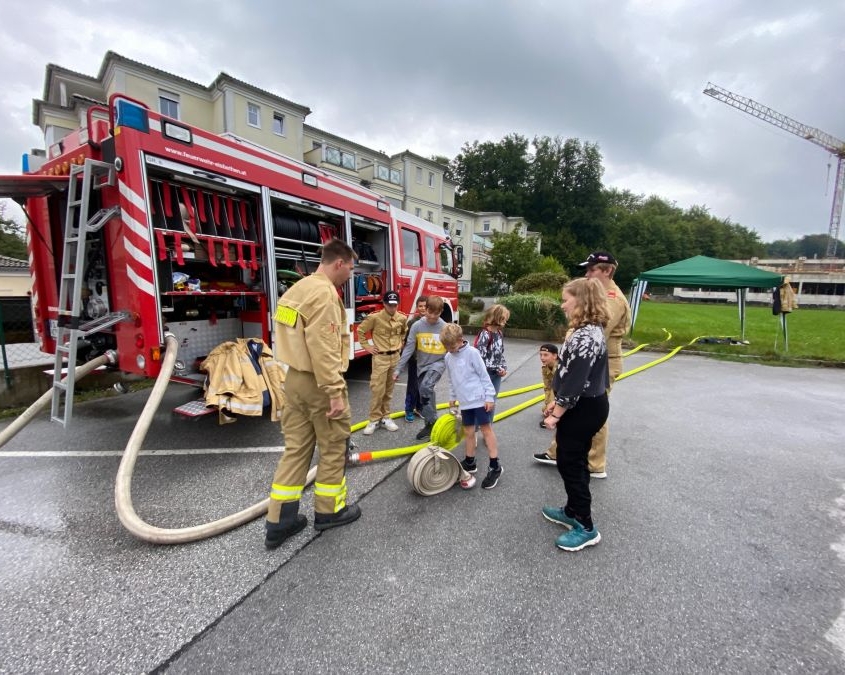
580	408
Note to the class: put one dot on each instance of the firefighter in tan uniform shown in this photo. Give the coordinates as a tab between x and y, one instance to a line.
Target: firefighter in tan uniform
312	338
602	265
382	334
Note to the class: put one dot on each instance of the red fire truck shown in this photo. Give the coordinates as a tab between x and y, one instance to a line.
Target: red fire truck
140	225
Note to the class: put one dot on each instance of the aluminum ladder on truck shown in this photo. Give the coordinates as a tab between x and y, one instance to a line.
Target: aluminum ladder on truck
95	176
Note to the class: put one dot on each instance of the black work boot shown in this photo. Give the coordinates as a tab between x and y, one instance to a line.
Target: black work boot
348	514
290	523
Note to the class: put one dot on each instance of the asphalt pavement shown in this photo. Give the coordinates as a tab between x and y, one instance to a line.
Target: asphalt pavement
722	521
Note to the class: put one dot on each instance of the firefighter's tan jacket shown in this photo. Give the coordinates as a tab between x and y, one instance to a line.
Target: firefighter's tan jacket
311	332
388	332
620	320
548	373
788	301
234	385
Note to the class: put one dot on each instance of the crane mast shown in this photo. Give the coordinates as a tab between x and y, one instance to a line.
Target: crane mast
824	140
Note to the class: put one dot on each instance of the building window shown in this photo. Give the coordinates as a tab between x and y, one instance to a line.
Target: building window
168	104
339	157
388	175
253	115
411	249
431	179
485	226
278	124
419	175
430	257
418	212
459	227
430	217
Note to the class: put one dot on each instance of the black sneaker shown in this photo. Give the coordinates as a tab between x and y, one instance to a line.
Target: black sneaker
543	458
469	467
492	478
425	433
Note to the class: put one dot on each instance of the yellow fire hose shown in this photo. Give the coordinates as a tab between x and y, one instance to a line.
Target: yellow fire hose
433	469
436	470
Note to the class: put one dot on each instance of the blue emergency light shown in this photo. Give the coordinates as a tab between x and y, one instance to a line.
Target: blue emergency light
133	116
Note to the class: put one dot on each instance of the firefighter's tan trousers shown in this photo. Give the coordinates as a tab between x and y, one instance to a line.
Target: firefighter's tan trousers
597	459
381	385
305	424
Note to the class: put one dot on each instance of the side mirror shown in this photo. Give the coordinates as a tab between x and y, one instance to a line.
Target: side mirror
457	261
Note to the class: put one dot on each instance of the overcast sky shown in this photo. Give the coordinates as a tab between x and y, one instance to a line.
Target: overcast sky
431	76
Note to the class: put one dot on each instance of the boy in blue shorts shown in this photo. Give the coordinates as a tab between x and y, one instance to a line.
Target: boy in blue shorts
470	386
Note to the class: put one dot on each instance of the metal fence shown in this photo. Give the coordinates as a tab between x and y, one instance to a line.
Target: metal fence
18	347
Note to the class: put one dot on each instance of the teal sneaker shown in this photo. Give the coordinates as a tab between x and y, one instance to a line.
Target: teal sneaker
578	538
558	515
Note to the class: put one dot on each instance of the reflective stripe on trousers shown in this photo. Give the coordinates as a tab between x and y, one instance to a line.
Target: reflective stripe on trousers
286	493
336	492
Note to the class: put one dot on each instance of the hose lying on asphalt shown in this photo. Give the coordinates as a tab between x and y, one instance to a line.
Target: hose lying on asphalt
435	471
123	483
44	400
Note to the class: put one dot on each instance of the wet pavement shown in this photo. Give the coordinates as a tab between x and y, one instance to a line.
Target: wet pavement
723	523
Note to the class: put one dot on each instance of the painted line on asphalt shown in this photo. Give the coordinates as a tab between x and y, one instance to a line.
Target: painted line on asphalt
148	453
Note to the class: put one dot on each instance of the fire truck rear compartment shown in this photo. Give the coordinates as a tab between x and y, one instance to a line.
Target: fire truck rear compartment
209	266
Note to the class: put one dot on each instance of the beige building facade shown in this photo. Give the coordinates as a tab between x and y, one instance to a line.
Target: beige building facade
14	278
238	109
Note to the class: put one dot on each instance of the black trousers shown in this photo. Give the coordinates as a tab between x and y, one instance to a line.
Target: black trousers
575	432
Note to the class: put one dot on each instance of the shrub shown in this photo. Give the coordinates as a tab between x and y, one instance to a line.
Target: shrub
535	311
541	281
467	303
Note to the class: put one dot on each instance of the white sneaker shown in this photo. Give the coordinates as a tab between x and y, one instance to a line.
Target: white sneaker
593	474
389	424
370	429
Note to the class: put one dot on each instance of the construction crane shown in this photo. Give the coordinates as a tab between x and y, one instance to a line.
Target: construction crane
830	143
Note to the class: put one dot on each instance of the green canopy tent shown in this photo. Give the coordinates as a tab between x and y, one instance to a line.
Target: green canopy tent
703	272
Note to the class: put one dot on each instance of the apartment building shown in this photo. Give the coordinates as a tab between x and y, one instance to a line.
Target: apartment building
241	110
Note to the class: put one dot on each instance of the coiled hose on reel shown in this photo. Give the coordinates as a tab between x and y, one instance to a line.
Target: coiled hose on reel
434	469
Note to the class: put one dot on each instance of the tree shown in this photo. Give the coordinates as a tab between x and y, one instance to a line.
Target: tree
12	242
550	264
511	257
492	176
810	245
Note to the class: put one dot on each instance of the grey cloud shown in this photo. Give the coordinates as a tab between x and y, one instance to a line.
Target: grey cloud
432	76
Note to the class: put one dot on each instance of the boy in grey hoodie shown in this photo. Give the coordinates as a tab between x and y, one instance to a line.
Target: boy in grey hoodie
423	341
471	387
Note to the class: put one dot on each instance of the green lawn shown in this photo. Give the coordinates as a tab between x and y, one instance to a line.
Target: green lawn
813	333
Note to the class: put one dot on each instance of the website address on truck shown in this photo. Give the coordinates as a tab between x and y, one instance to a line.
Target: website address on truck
203	160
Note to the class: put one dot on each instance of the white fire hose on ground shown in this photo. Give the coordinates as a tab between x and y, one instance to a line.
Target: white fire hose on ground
123	483
110	357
